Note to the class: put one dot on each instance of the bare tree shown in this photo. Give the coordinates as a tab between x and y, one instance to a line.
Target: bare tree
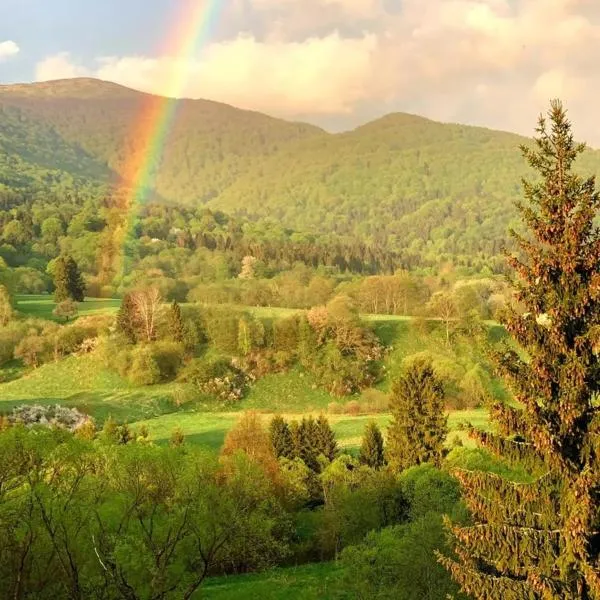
149	306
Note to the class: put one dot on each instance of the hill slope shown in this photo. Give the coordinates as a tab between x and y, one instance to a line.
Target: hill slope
430	190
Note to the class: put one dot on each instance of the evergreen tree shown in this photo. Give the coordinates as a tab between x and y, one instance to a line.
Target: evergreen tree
541	539
281	437
127	320
419	423
176	324
371	449
308	437
325	442
68	281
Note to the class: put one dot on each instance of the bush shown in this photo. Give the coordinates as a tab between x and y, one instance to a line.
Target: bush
49	416
168	357
335	408
216	377
144	369
352	408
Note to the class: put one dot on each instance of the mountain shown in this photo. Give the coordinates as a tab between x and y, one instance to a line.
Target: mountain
434	192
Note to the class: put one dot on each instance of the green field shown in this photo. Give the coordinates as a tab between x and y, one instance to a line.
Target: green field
210	429
307	582
42	306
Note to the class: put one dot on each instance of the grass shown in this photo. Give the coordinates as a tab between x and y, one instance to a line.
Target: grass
307	582
81	382
41	306
209	429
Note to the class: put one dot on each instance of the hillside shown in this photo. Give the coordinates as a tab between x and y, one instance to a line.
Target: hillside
209	144
432	192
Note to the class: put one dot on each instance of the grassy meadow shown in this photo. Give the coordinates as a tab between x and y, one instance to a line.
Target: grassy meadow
84	383
41	306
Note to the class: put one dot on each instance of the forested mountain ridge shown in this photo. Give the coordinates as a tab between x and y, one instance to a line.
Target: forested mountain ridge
431	192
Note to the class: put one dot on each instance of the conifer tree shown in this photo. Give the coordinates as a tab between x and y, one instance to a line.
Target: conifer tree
176	324
371	449
419	423
540	539
68	281
281	437
127	321
325	442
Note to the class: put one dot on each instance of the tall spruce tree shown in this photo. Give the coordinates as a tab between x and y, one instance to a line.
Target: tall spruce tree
176	324
281	437
419	423
68	281
541	539
371	449
325	442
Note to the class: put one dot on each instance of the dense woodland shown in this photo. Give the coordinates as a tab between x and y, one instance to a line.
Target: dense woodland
401	192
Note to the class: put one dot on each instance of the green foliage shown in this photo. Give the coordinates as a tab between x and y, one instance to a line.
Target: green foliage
398	563
67	309
127	320
175	323
281	437
127	519
6	306
215	377
144	369
68	280
371	449
420	425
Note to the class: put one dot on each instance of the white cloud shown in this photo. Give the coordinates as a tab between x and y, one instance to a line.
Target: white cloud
325	75
59	66
8	49
492	62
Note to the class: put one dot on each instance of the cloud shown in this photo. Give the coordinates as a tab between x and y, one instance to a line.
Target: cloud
59	66
8	49
489	62
325	75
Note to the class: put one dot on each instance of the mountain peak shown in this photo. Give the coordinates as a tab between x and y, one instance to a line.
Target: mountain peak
80	87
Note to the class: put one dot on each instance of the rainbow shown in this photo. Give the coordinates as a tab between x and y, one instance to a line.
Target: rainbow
193	27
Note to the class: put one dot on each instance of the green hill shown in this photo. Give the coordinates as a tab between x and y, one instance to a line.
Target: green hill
433	192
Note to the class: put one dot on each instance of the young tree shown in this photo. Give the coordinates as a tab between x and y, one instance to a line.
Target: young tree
443	306
281	437
176	324
127	321
6	307
419	423
67	309
68	281
250	436
540	539
371	449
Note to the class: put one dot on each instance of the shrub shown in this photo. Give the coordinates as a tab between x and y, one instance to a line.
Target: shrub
352	408
49	416
144	368
335	408
217	377
168	357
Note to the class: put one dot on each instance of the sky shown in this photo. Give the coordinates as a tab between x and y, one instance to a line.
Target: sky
336	63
